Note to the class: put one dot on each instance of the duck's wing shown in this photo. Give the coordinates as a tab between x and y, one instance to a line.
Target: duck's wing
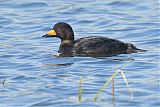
101	45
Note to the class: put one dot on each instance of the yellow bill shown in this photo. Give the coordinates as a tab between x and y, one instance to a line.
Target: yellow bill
52	33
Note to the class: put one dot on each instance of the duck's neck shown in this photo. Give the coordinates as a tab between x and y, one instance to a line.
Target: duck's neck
66	46
67	41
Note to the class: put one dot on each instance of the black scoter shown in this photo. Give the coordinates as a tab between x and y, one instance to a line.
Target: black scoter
92	45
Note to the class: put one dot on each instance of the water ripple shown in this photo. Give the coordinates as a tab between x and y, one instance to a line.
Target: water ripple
32	73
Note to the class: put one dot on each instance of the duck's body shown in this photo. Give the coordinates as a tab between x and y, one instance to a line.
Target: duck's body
93	45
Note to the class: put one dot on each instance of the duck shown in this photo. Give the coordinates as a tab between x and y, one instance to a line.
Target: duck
88	46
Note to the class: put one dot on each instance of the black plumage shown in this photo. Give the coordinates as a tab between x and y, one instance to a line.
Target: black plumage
92	45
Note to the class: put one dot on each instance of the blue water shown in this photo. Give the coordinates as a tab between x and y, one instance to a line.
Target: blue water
32	74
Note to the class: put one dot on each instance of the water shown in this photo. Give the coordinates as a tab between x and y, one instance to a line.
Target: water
32	75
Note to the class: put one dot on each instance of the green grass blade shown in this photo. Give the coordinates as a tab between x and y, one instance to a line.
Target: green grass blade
102	88
113	98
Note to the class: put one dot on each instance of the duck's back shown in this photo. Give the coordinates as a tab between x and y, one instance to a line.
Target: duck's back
102	46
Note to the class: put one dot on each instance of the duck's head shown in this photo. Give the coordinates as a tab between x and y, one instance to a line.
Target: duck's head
61	30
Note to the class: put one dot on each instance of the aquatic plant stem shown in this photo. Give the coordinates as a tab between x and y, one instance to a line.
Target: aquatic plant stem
80	90
129	89
102	88
4	81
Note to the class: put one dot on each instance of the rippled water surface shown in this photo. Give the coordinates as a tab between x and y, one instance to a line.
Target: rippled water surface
32	74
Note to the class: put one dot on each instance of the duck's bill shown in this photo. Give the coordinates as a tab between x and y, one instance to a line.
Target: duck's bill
46	36
51	33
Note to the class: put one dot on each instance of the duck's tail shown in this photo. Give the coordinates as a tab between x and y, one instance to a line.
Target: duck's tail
134	49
